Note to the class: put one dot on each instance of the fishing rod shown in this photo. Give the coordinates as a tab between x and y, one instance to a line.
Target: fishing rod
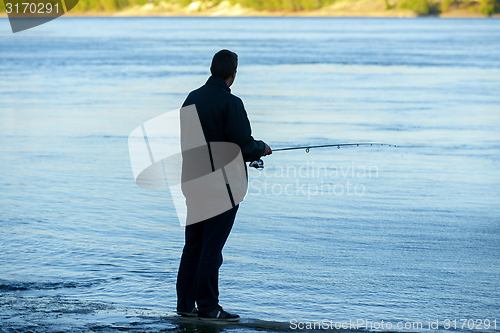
260	164
338	145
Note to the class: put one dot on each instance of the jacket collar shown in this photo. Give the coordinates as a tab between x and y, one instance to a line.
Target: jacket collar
218	82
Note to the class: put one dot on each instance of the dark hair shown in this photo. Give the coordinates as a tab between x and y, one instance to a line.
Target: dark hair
224	63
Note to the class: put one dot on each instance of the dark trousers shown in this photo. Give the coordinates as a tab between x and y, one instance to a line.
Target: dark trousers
198	277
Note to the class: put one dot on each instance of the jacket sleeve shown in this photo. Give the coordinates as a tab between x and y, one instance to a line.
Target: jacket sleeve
237	129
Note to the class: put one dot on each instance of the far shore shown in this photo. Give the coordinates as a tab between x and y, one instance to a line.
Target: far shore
342	8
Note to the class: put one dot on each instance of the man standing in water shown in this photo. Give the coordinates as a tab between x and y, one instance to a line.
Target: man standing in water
223	119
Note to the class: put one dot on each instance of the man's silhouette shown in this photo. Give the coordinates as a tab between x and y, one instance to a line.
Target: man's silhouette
223	119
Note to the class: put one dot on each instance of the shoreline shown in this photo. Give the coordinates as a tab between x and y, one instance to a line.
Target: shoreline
342	8
249	12
118	14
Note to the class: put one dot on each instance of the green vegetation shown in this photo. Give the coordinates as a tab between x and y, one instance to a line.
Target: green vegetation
107	4
445	4
419	7
488	7
289	5
272	5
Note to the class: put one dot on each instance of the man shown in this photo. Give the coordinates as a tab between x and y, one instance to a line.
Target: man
223	119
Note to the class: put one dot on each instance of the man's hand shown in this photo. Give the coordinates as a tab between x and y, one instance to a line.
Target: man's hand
267	150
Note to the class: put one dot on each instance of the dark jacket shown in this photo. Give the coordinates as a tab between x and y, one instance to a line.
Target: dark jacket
223	117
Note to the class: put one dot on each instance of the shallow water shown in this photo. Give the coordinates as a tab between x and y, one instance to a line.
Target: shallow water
405	234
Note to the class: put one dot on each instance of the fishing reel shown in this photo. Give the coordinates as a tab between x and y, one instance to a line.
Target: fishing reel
259	165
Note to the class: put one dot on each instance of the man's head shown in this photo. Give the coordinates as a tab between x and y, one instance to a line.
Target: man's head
224	64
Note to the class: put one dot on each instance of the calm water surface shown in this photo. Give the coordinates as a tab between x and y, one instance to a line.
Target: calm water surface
406	234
